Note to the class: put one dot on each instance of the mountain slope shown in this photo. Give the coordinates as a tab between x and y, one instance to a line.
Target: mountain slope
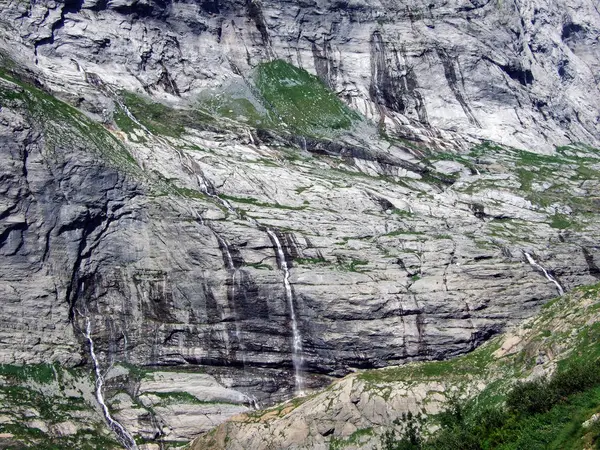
356	411
522	74
226	232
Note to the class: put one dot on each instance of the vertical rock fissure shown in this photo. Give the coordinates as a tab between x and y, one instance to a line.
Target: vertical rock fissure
124	437
233	270
297	357
533	263
453	84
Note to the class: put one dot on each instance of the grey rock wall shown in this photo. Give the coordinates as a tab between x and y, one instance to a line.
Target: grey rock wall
397	250
522	74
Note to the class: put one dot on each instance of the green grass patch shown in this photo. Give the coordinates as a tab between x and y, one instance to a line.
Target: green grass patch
355	438
352	265
162	120
39	373
64	126
300	100
310	261
176	397
486	148
561	222
475	363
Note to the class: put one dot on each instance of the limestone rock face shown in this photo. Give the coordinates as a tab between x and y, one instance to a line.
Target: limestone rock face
522	74
360	409
262	242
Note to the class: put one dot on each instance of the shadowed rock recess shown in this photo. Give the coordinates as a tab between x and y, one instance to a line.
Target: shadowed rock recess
210	206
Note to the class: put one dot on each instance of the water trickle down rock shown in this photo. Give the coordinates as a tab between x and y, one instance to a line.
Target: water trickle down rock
232	268
122	434
297	357
538	266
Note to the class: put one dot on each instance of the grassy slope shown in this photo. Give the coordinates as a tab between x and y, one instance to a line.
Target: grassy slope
565	335
300	100
37	400
289	98
63	125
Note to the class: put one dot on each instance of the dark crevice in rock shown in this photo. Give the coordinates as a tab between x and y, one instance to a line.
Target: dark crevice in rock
384	203
254	11
394	84
571	30
93	222
250	301
100	5
589	259
213	311
484	334
210	6
340	149
420	323
8	211
138	10
478	210
167	83
14	227
476	4
324	67
69	7
89	225
453	83
517	73
514	70
384	86
291	244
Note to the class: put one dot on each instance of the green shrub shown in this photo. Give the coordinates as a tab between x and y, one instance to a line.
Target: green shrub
546	413
531	397
411	437
576	378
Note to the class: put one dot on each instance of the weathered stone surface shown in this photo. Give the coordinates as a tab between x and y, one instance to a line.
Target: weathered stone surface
431	69
397	251
356	411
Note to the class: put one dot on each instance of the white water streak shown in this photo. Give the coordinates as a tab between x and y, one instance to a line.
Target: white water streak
297	357
125	438
125	109
234	271
532	261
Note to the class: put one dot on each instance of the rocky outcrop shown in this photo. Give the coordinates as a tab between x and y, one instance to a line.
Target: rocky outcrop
356	411
177	264
264	228
481	69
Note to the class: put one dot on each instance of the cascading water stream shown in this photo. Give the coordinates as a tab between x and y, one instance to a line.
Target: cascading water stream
297	358
233	269
532	262
207	188
122	434
95	80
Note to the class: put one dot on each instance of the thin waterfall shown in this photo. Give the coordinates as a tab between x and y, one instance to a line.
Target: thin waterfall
233	269
122	434
297	358
129	114
206	187
532	261
95	80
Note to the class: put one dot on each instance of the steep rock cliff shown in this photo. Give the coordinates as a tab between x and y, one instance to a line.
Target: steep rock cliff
258	235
